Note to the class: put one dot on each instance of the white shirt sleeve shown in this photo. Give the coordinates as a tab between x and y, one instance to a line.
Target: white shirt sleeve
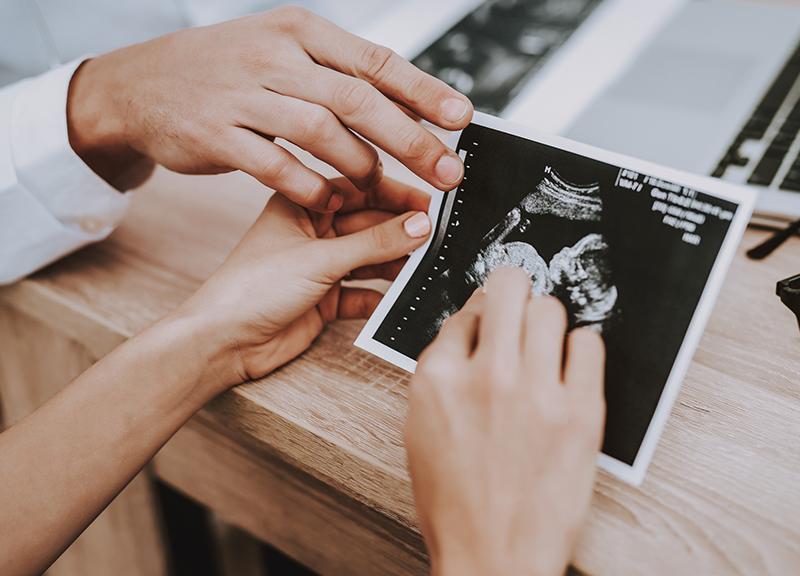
51	202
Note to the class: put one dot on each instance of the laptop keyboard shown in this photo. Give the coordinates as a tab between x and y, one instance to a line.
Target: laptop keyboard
495	49
766	152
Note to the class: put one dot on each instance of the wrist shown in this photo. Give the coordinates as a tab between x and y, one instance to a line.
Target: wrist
97	130
204	358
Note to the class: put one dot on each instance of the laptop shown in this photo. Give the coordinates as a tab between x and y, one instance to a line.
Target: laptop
708	86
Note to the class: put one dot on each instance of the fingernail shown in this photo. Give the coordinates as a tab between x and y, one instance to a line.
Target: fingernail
334	202
454	109
418	225
449	169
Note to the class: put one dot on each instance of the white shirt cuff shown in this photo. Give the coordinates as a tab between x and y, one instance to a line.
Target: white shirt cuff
48	167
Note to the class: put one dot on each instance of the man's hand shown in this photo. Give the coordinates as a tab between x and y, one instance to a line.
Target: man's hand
281	284
503	431
210	100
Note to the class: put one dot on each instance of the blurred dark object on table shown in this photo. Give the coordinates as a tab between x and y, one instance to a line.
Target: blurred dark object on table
789	291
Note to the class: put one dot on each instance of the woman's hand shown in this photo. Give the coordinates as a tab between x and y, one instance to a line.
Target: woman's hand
212	99
281	284
503	430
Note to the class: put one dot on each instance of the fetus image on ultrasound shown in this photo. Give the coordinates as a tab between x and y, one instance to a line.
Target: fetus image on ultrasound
578	273
608	242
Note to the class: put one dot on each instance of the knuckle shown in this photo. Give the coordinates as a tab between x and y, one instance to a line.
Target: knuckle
415	144
275	167
318	124
422	89
370	169
288	17
353	97
316	194
375	62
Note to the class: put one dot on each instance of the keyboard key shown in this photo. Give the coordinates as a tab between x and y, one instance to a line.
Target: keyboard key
765	172
791	185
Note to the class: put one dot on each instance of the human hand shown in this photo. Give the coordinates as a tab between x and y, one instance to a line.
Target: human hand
281	285
501	440
212	99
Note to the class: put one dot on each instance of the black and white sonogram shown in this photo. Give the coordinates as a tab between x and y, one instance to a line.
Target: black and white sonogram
491	52
628	254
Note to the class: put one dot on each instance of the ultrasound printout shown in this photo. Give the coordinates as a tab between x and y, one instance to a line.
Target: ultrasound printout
629	255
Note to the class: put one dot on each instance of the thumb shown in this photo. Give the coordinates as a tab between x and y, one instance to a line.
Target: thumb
377	244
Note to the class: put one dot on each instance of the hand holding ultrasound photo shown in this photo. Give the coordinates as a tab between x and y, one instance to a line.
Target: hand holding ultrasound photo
634	251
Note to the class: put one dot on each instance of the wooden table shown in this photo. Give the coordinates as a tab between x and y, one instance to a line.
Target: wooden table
311	458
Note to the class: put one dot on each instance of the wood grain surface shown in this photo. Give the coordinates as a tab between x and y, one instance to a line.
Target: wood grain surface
721	496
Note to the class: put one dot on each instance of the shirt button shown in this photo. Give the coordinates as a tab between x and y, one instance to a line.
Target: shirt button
91	225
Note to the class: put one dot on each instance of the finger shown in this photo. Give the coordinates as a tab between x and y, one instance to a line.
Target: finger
546	322
355	222
387	271
585	364
376	245
396	77
458	335
507	294
276	168
358	303
362	108
389	195
328	306
316	130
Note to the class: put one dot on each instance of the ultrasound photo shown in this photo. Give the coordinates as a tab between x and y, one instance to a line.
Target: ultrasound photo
627	253
494	50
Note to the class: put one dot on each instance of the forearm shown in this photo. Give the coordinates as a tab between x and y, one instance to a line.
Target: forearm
64	463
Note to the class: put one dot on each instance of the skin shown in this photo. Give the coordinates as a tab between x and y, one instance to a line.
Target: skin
504	425
213	99
62	465
501	440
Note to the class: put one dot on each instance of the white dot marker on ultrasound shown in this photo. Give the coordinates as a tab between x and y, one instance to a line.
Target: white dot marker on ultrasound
417	297
405	317
424	288
412	308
